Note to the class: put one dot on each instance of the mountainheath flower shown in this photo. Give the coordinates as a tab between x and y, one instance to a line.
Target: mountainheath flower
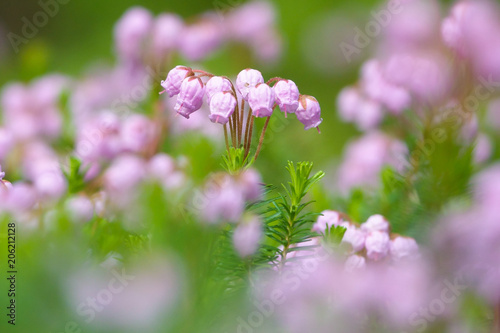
175	77
222	107
190	96
261	99
246	79
287	95
308	112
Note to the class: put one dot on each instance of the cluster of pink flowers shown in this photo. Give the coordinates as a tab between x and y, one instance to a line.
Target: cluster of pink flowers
371	240
140	36
222	97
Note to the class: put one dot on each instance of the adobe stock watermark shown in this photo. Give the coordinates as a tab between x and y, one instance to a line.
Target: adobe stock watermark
363	38
97	303
290	279
450	293
31	27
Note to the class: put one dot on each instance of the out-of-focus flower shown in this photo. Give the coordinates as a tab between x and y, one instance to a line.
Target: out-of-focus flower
6	143
200	39
80	208
365	158
124	174
353	236
309	112
375	223
355	262
222	199
132	31
162	168
377	245
483	149
32	111
251	184
261	100
136	133
403	247
329	219
354	107
166	34
247	236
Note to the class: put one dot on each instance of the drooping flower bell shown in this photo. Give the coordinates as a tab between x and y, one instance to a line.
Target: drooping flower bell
222	106
309	112
247	79
261	100
190	96
217	84
175	77
287	96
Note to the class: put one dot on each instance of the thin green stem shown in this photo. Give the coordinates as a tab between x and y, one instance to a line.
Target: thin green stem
227	141
249	141
247	125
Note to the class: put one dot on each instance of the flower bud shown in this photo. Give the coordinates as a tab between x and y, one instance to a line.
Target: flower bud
190	96
353	236
354	262
222	107
246	79
261	100
287	95
327	220
80	208
217	84
403	247
375	223
377	245
308	112
175	77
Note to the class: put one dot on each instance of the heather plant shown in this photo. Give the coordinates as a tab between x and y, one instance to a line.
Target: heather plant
141	196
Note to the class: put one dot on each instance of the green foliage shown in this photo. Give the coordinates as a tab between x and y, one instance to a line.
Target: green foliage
286	222
334	234
75	175
235	161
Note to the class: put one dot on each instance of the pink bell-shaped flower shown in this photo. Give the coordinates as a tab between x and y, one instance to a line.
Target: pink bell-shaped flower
287	95
175	77
261	100
309	112
222	107
190	96
247	79
217	84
